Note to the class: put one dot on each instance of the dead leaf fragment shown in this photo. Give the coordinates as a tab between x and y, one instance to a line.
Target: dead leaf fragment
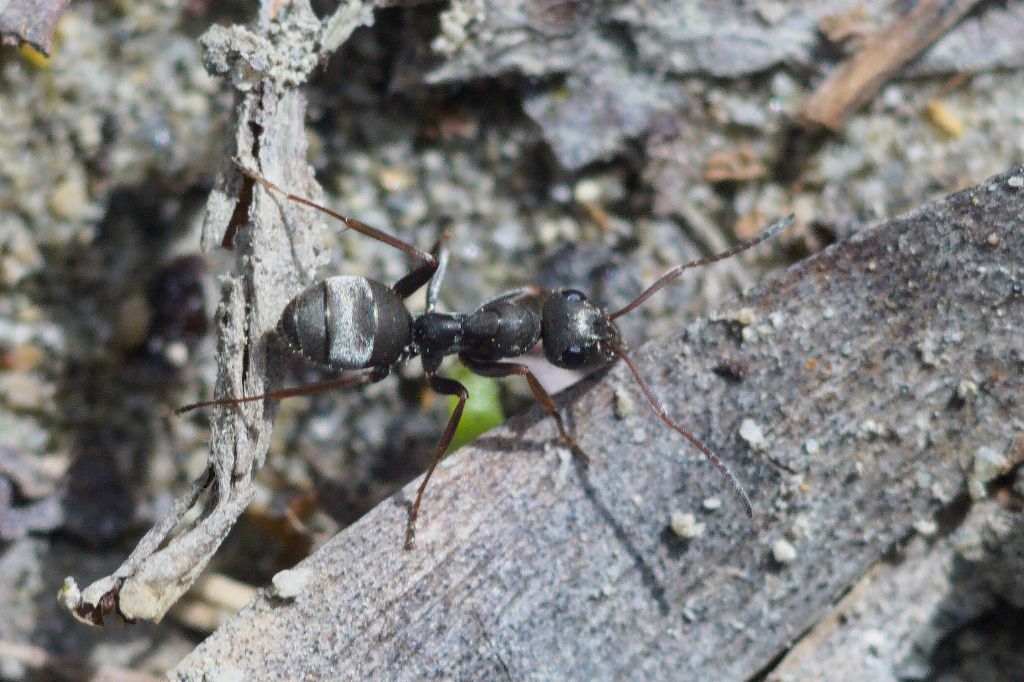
32	22
741	163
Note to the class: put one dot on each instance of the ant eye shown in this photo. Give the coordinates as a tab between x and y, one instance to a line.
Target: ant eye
573	357
573	295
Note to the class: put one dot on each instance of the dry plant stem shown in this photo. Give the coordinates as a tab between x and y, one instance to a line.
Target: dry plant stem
857	79
855	360
276	247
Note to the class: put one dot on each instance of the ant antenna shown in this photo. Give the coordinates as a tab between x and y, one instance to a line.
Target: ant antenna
769	231
697	442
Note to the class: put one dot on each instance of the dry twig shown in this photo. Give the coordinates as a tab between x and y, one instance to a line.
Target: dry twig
883	54
277	251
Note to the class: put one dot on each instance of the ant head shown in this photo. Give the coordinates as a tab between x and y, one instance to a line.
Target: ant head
576	332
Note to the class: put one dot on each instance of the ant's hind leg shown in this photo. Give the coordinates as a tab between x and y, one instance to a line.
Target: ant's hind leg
432	270
444	387
498	370
351	223
440	252
371	377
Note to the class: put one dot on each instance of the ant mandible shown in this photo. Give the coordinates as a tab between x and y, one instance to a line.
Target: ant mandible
356	323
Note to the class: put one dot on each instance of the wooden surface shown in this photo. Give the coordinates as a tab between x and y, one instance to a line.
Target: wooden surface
876	370
890	625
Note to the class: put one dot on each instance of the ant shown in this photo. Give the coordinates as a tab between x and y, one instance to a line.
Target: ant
355	323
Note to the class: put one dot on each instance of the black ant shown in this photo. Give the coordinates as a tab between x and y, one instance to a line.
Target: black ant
356	323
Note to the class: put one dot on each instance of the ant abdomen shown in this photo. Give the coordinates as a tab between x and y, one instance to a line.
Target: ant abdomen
346	322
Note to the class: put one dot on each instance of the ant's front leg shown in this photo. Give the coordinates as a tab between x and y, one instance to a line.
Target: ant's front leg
498	370
444	387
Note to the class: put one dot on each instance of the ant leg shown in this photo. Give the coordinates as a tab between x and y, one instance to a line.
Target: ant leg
498	370
517	294
430	270
373	376
444	387
440	252
352	223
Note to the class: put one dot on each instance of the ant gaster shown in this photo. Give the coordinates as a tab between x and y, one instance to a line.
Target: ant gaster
356	323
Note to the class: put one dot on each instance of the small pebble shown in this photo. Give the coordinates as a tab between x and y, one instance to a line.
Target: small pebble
12	669
69	200
289	583
712	503
622	403
783	552
966	390
22	358
940	115
926	527
176	354
927	351
993	239
561	193
587	191
25	390
869	428
751	432
745	316
394	179
875	640
987	465
772	12
811	446
684	524
1016	181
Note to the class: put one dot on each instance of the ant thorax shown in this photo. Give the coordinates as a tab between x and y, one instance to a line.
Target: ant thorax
502	328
